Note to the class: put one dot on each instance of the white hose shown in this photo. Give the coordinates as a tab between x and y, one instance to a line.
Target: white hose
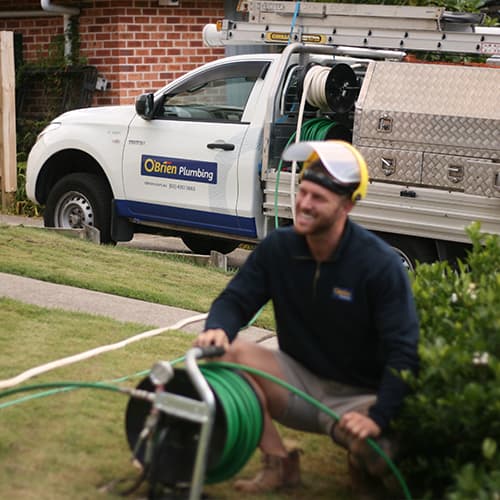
315	94
33	372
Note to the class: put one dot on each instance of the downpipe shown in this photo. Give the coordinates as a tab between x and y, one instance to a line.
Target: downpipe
67	13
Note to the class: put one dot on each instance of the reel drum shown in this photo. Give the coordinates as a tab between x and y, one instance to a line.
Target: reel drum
341	88
169	454
332	89
175	440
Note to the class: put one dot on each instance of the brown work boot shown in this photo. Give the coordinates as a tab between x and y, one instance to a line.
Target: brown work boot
276	473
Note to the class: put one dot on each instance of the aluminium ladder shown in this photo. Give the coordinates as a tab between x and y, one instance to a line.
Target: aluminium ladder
403	28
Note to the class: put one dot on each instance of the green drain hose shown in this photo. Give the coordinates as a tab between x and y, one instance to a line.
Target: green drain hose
241	408
245	426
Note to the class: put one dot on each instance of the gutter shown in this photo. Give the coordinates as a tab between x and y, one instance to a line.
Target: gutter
59	9
49	10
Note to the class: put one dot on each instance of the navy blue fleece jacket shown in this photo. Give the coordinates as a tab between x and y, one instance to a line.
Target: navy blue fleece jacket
351	319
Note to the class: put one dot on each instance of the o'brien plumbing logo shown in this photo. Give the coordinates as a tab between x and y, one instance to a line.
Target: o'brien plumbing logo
180	169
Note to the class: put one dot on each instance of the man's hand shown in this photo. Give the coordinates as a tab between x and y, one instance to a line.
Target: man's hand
216	337
359	426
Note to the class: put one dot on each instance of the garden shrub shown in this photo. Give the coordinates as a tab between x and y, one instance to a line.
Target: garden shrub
23	205
451	422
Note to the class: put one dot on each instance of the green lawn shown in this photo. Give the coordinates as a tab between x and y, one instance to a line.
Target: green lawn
72	444
150	276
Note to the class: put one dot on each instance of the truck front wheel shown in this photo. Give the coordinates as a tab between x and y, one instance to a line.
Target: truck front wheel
77	200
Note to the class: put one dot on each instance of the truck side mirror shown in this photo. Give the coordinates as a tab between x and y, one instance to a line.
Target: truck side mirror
144	106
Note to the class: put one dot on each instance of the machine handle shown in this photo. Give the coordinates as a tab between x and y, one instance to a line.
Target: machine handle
211	351
208	398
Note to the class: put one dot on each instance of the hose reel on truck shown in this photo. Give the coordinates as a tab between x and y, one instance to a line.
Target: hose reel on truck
331	90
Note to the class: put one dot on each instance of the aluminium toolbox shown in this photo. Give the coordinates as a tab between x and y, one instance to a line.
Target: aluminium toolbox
432	125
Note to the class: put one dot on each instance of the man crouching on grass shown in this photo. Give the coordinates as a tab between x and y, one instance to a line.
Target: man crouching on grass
345	316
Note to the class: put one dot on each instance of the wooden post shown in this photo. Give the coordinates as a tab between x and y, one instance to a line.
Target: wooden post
8	166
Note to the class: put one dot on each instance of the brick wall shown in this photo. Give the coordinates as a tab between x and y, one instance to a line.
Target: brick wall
136	45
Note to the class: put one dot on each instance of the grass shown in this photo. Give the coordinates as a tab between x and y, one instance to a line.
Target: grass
67	445
153	277
72	444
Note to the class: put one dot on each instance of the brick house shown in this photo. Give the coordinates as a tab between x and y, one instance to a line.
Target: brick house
136	45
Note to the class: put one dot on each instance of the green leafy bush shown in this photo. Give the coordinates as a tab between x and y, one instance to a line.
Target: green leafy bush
23	205
27	131
451	422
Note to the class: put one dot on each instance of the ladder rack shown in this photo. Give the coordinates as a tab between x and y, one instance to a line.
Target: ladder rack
429	29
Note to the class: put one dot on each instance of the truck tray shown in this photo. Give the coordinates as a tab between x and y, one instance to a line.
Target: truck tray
413	127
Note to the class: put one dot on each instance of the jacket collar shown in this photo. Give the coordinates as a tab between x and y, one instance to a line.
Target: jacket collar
300	249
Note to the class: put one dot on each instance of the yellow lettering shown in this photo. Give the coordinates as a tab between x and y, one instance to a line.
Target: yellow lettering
149	165
171	169
154	166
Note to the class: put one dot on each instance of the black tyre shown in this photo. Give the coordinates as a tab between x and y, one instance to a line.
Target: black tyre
77	200
411	249
205	244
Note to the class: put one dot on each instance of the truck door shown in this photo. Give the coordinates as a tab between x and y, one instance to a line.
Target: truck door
181	167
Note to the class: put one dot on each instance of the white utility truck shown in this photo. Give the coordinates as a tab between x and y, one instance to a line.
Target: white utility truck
200	158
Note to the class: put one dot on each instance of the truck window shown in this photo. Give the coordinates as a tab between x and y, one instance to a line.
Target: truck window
220	94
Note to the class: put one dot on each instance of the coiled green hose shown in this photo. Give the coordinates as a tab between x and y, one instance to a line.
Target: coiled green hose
243	417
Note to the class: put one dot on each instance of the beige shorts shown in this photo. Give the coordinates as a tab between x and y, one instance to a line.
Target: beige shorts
340	398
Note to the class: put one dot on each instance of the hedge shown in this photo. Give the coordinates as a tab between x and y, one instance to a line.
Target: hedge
451	422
